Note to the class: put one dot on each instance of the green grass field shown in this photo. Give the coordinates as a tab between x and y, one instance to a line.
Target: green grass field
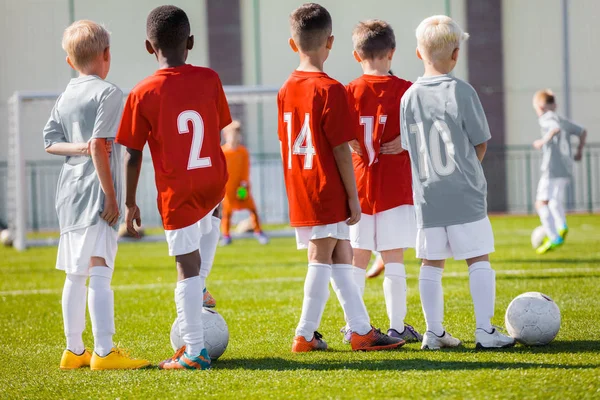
259	292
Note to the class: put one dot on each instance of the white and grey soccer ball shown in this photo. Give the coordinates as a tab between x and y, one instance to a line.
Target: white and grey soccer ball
216	334
533	319
537	236
7	237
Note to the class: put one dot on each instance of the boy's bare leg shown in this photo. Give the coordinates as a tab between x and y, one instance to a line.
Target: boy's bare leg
188	300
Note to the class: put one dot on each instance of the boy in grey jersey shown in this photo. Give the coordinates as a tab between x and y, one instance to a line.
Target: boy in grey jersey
82	126
447	136
557	165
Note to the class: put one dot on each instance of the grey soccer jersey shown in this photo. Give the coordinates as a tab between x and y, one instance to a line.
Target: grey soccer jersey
441	121
88	108
557	160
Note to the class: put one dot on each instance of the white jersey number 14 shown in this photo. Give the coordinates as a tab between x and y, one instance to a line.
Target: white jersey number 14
303	145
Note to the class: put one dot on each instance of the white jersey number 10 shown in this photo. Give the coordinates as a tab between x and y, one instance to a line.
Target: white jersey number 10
433	157
195	161
303	145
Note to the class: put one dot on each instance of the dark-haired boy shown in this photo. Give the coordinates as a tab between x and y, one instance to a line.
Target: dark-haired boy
180	111
314	131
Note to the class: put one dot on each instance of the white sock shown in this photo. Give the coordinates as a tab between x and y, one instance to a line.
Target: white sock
558	213
482	281
101	302
432	298
73	309
360	276
394	291
208	247
188	299
349	297
316	294
548	222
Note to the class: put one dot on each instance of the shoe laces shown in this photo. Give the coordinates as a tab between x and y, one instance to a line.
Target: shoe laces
122	352
318	336
410	329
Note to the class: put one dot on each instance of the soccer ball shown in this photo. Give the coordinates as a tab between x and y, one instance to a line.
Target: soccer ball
537	236
6	237
533	319
216	334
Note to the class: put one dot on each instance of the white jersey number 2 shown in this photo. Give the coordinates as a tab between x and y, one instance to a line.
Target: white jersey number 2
433	157
303	145
195	161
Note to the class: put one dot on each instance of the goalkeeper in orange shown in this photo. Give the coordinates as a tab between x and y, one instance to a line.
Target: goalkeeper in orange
237	191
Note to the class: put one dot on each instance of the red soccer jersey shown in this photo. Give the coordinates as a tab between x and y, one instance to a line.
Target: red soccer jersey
180	113
383	180
314	117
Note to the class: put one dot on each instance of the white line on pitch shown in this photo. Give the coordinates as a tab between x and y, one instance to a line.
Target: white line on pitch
294	279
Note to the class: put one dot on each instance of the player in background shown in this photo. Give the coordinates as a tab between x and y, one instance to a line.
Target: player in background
314	131
237	192
82	128
179	111
383	178
445	131
557	167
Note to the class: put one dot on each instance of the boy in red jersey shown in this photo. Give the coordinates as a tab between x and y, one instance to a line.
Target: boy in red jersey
314	131
180	111
383	174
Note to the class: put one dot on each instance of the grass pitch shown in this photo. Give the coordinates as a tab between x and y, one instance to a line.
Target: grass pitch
259	292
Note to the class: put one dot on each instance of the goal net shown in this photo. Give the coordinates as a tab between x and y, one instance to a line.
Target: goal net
32	174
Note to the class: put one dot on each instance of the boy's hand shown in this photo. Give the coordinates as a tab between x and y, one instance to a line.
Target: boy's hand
111	210
354	205
578	156
132	213
538	144
88	147
393	147
355	147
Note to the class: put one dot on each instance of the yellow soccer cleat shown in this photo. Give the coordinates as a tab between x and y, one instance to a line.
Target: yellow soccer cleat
116	359
71	360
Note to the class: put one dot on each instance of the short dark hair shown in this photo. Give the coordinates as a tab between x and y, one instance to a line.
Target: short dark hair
310	25
373	39
167	27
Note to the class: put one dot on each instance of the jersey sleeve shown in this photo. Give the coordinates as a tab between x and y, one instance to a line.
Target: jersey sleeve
135	128
571	128
403	125
337	119
473	117
53	131
222	106
109	114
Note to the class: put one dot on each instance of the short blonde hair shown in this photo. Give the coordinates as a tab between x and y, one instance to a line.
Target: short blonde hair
438	36
373	39
83	41
544	97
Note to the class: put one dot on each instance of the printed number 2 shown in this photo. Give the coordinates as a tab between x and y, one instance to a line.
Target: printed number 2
439	128
300	148
195	161
367	122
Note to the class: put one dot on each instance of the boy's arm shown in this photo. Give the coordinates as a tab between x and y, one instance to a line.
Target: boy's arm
582	139
474	119
343	159
539	143
133	166
110	213
73	149
480	150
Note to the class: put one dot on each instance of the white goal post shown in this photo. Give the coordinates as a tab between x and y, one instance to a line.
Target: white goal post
28	112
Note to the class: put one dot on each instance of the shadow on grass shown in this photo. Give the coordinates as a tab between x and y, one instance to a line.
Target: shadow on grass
533	275
543	260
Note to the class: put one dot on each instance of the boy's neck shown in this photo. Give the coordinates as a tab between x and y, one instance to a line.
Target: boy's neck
310	62
437	68
166	60
377	67
90	72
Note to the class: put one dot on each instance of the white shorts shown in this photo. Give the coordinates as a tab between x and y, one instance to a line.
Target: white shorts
551	189
461	241
186	240
305	234
387	230
76	248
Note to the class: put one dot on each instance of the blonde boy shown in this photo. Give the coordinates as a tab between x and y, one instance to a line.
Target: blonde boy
314	131
557	166
446	138
82	127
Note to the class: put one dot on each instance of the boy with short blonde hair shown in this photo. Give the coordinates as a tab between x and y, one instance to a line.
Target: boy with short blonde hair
556	167
446	137
382	173
82	128
314	131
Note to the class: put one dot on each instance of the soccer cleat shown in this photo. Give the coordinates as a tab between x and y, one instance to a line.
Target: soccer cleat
374	340
492	340
376	269
182	360
116	359
408	335
550	245
301	345
261	237
563	232
431	341
71	360
225	240
207	300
